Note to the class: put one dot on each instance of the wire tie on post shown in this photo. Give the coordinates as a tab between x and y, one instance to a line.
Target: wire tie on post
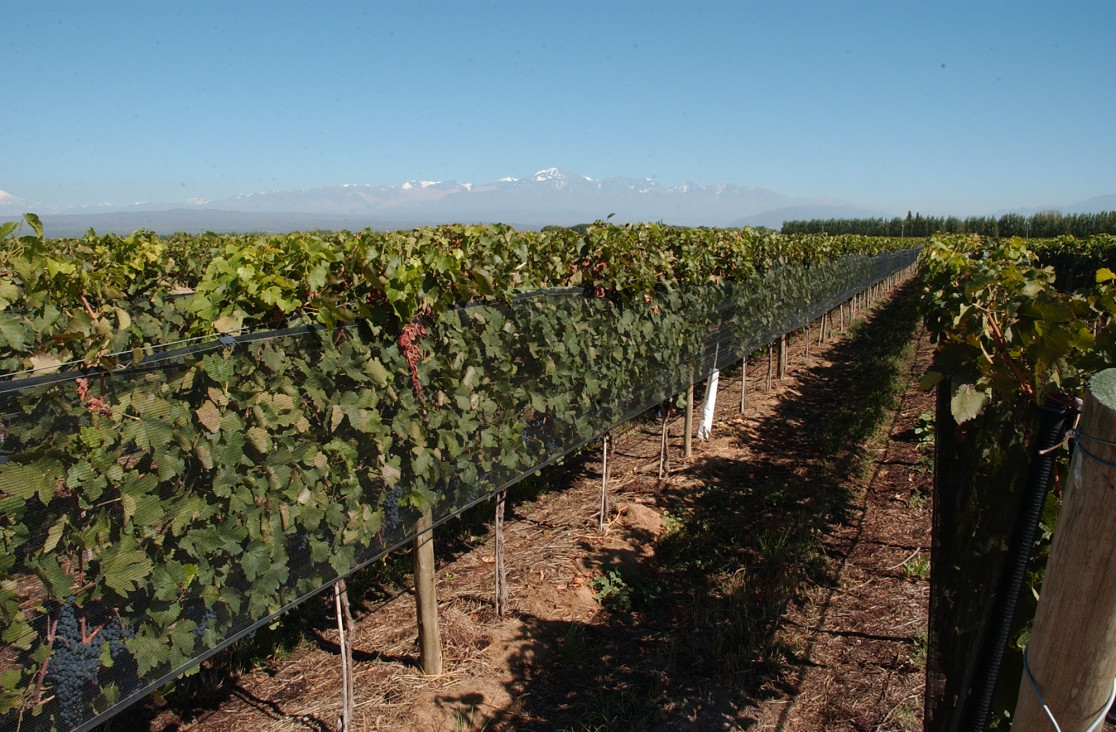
1094	458
1090	438
1050	715
1071	433
1077	436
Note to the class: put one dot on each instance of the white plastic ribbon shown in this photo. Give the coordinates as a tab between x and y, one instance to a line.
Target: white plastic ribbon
706	426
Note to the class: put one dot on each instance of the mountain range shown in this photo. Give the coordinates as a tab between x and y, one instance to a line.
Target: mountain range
550	196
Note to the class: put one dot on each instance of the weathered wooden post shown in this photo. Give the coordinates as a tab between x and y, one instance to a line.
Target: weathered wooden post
664	443
426	597
688	442
1072	651
345	642
770	351
606	443
743	382
501	583
781	371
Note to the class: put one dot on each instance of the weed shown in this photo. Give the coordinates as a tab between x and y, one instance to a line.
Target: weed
925	464
623	592
464	720
616	708
906	715
776	497
672	522
771	541
920	643
924	430
917	567
917	501
573	646
612	591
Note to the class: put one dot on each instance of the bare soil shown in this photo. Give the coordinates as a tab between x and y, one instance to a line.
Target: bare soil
774	580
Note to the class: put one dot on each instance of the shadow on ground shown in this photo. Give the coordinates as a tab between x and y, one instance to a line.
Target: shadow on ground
694	637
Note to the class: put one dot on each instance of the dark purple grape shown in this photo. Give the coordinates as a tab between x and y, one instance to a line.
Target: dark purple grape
73	667
391	507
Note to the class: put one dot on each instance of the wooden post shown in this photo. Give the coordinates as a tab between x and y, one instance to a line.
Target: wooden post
807	342
842	317
688	442
1072	652
604	482
501	589
426	597
770	351
664	444
743	381
345	642
782	370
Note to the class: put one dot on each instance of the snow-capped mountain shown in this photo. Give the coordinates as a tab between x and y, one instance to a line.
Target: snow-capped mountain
549	196
11	206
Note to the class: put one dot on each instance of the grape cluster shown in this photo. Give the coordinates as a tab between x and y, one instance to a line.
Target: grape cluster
298	547
207	617
203	617
73	667
75	661
114	633
391	507
542	430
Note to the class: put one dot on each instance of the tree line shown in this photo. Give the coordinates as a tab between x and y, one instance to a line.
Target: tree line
1042	225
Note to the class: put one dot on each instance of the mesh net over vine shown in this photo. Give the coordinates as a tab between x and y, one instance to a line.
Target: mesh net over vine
151	515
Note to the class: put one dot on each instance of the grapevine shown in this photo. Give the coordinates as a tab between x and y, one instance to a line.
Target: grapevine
203	471
1004	327
1015	322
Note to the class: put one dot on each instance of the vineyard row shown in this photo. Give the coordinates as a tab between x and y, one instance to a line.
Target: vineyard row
156	506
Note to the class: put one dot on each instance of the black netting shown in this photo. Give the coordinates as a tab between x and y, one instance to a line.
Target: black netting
980	473
151	516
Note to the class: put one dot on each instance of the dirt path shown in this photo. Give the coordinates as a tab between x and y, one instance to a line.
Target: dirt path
775	580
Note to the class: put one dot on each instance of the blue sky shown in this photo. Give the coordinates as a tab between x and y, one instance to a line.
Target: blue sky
940	107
